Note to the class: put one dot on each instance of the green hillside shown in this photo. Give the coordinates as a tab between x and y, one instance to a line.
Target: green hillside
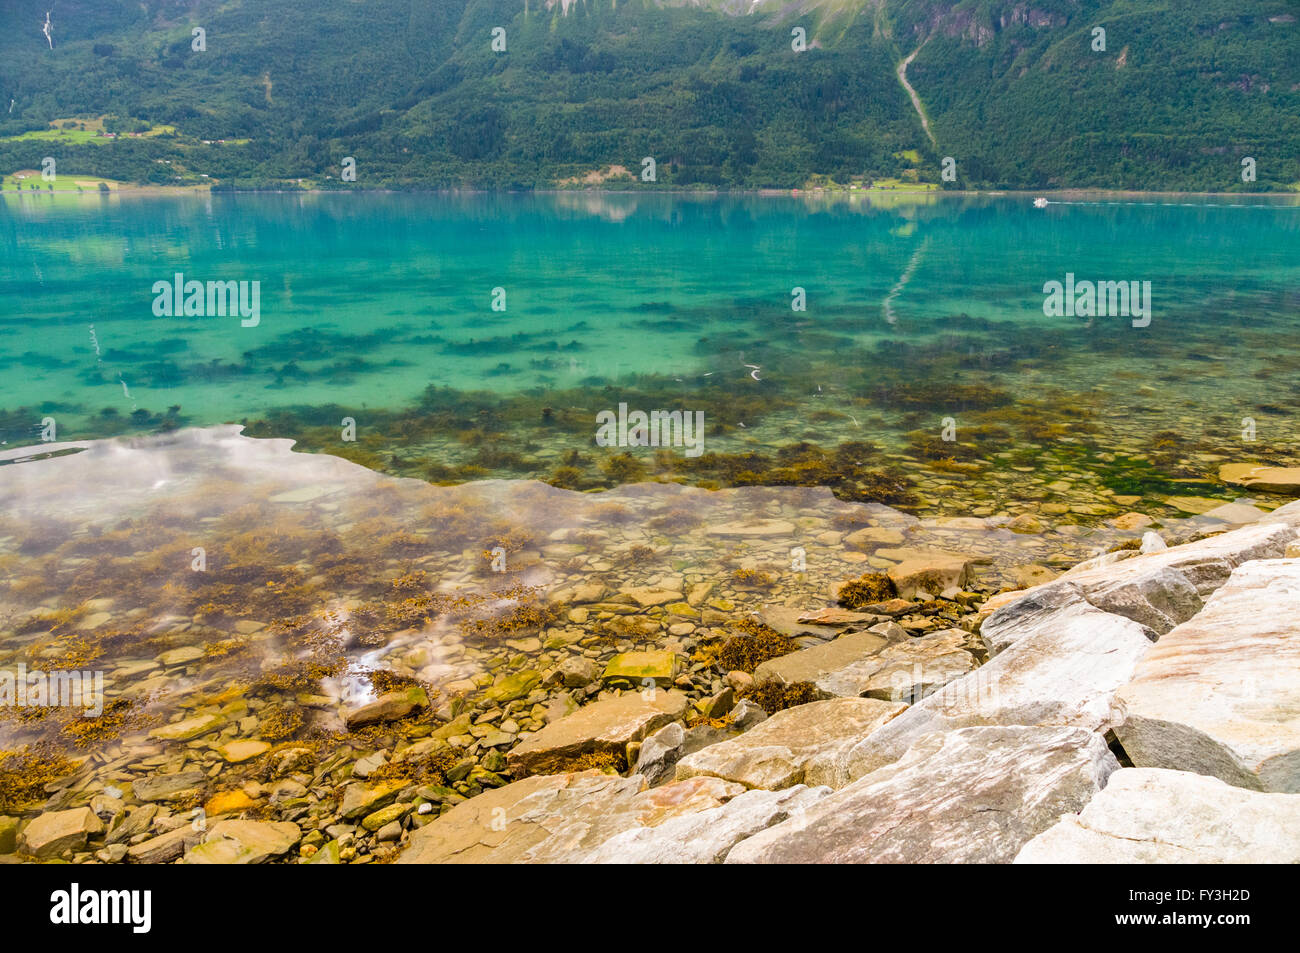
584	91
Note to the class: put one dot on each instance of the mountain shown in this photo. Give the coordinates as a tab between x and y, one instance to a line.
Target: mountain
277	91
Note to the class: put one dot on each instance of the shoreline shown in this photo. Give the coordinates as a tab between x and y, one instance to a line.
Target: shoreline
387	678
209	189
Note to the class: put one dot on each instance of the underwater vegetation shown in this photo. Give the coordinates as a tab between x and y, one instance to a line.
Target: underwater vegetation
773	696
24	775
752	644
866	590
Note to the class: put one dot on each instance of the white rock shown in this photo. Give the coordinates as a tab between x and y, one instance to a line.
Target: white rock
1220	694
1154	816
1152	542
971	796
1064	672
707	836
774	753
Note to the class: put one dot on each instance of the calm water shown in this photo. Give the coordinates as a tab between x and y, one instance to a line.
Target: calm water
914	305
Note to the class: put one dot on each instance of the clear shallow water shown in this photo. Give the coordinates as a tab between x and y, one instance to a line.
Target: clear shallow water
228	592
917	306
202	568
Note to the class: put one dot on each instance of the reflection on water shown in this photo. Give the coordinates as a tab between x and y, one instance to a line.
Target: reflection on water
919	310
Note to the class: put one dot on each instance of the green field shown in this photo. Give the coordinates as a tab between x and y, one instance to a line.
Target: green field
67	136
65	182
80	132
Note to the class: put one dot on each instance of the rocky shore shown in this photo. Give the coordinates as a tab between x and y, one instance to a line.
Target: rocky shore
661	674
1141	708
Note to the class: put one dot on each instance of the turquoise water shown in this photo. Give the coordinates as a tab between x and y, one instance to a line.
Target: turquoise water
367	300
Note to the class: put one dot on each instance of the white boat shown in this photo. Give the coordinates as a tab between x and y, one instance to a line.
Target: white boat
1040	202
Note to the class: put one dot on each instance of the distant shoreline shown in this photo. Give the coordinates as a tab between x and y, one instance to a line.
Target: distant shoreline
159	190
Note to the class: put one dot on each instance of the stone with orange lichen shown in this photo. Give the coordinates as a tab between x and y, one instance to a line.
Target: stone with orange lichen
228	802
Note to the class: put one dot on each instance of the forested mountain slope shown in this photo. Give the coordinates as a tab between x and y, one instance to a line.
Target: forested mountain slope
714	90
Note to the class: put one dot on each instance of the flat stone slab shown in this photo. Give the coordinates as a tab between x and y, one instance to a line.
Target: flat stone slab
182	655
1220	694
1157	590
930	571
558	818
870	537
1239	513
165	848
237	752
706	837
752	527
1269	479
833	615
188	728
646	596
1206	563
817	663
514	685
636	667
775	753
976	795
244	842
1156	816
905	671
603	727
169	787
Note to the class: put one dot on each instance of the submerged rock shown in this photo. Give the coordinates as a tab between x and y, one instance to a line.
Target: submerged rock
931	572
1267	479
187	728
170	787
244	842
578	672
8	834
604	727
53	832
636	667
236	752
653	595
390	706
165	848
